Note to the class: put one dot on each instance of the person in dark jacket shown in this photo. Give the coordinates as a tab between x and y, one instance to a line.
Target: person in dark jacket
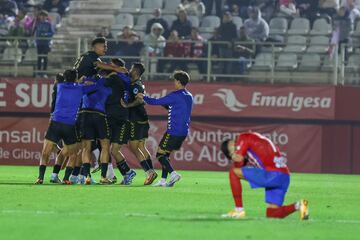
43	29
157	19
182	25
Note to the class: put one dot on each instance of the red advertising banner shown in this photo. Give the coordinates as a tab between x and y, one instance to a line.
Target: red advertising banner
231	100
21	143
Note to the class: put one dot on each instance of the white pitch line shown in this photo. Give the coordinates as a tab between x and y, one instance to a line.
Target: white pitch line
165	217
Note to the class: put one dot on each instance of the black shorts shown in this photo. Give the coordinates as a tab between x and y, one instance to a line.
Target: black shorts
170	143
94	125
139	131
120	131
60	131
79	131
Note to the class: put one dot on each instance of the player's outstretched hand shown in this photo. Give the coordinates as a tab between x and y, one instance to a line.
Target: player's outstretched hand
124	104
121	70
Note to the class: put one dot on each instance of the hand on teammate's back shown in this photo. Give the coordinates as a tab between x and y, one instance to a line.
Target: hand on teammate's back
124	104
140	96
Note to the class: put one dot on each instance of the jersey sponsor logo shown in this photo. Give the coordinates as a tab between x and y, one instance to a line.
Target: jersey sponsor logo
229	99
295	103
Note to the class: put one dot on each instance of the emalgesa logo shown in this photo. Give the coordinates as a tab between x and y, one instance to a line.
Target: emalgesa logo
292	101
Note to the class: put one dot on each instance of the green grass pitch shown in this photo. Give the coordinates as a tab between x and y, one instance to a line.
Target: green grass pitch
189	211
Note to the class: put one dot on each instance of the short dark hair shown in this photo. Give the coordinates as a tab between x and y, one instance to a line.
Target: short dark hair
59	78
118	62
225	149
140	68
182	76
70	75
98	40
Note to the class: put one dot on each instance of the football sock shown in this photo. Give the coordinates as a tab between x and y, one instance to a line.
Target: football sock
149	162
42	169
67	174
280	212
145	165
123	167
76	171
86	169
236	188
57	168
110	171
164	172
164	160
104	168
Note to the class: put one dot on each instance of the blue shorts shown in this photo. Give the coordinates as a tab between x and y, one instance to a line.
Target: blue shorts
276	184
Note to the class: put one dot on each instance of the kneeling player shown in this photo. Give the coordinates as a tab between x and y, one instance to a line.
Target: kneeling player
62	124
265	168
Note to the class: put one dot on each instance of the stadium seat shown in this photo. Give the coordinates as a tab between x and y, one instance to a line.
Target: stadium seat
353	63
171	6
125	19
310	62
318	44
141	22
30	55
209	23
11	54
287	61
299	26
238	22
321	27
328	64
169	19
131	6
150	5
263	61
295	44
195	22
278	25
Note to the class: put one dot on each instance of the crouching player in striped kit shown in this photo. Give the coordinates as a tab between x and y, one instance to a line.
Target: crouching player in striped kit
179	104
258	161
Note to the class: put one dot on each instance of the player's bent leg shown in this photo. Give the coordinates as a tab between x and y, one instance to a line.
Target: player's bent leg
48	147
104	159
163	157
86	158
122	165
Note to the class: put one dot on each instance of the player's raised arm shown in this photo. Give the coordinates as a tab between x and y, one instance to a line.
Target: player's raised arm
167	100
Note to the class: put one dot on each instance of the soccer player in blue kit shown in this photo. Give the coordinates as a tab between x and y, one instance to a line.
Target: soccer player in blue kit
62	124
179	104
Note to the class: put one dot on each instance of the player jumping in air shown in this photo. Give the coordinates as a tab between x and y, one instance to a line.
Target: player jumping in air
258	161
179	104
62	124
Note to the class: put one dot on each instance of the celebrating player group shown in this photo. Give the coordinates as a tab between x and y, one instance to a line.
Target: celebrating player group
99	105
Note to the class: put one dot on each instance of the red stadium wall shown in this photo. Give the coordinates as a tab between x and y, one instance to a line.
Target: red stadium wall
316	126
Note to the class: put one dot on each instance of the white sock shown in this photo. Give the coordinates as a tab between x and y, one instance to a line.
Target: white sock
163	180
110	172
239	209
54	175
297	205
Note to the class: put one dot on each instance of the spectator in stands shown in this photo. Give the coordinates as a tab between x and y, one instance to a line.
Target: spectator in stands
105	32
328	7
256	27
288	8
238	6
267	7
342	29
58	6
43	29
352	6
209	4
182	25
197	49
244	51
8	8
127	44
228	33
155	42
178	49
4	31
157	19
308	8
193	7
17	29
